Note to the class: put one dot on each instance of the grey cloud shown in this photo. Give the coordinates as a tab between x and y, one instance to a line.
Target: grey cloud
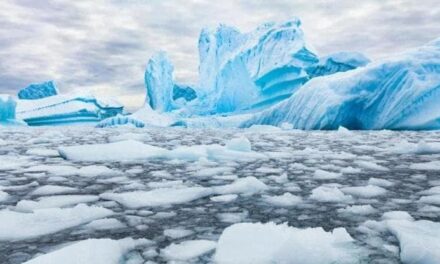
104	45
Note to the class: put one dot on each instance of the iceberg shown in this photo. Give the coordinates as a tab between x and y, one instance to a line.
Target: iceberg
38	91
66	109
159	83
398	92
246	71
7	109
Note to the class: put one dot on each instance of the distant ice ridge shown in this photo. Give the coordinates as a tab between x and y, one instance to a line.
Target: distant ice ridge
66	109
7	109
38	91
400	92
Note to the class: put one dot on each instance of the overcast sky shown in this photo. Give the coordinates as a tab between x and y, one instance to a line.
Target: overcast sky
102	46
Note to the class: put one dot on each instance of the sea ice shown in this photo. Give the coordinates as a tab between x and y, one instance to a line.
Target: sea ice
271	243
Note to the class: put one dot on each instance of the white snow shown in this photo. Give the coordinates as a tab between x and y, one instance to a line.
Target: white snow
224	198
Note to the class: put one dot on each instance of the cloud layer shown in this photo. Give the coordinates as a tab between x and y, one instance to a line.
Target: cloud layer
102	46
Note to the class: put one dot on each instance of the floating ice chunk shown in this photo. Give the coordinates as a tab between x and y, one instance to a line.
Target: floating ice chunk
380	182
431	199
209	172
130	136
248	185
96	251
133	150
54	202
176	233
158	197
431	191
428	166
270	243
42	152
233	217
264	129
419	240
59	170
329	194
187	250
368	191
118	151
19	226
105	224
239	144
95	171
326	175
284	200
170	196
370	165
421	148
224	198
358	210
3	196
397	215
351	170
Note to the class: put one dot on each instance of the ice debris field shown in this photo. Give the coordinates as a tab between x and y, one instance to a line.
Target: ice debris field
258	195
277	155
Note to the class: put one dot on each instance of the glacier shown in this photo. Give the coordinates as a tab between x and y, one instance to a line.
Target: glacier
67	109
7	109
38	91
398	92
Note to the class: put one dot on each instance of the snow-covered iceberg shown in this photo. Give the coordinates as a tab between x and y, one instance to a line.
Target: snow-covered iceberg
66	109
38	91
399	92
7	109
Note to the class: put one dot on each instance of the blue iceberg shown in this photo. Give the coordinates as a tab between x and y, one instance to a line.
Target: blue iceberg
159	83
7	109
67	109
400	92
38	91
242	72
